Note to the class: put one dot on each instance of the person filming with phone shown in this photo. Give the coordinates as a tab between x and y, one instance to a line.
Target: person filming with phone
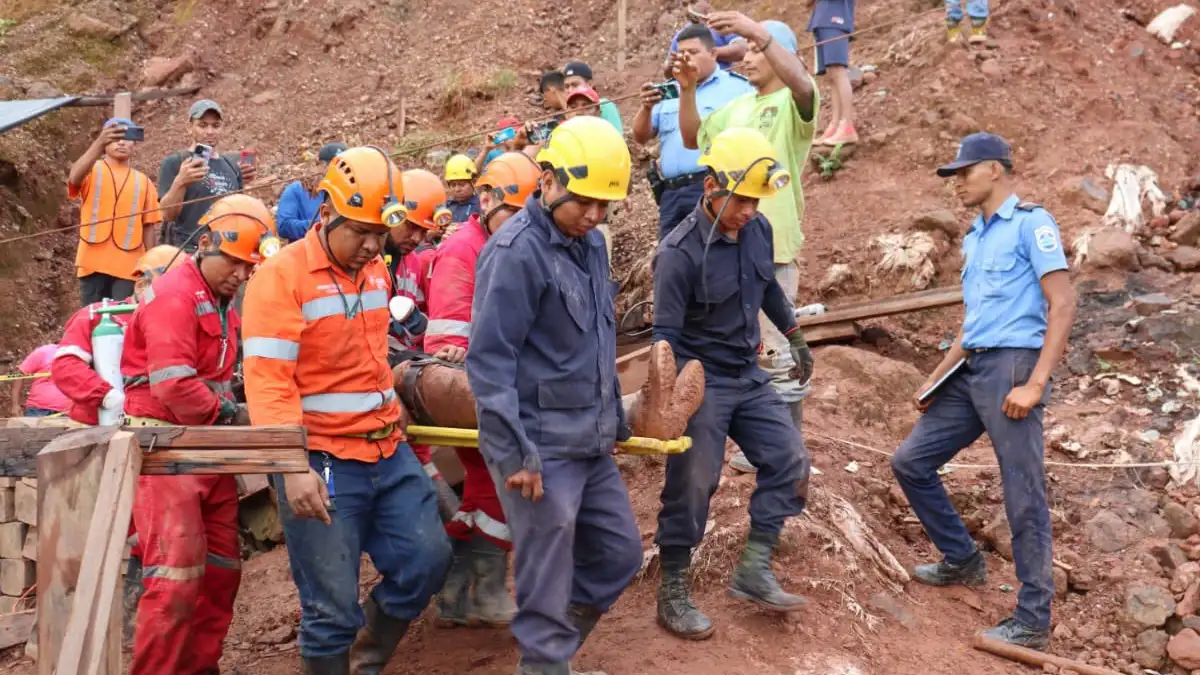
118	211
677	179
199	173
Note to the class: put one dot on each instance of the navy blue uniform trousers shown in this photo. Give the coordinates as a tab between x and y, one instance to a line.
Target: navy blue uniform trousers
970	403
750	412
579	544
675	205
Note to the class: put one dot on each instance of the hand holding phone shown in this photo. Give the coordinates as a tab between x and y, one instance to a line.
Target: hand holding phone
504	135
667	90
136	134
202	152
696	17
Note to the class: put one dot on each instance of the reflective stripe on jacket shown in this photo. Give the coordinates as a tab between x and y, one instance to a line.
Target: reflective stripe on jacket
179	351
451	287
315	350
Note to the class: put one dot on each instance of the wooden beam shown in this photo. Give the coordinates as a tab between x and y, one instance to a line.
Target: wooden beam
899	304
70	470
621	7
15	628
832	332
151	95
123	105
178	450
89	643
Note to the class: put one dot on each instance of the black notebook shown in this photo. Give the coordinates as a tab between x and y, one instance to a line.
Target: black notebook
929	393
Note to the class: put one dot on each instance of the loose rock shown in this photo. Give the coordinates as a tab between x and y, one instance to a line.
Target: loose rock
42	90
1169	556
1185	258
999	535
1112	247
1147	606
1187	230
1183	523
86	25
1084	192
938	221
1152	649
1109	533
1151	303
1185	575
1184	649
1062	583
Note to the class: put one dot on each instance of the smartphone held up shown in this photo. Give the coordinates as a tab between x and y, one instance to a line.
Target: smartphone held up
202	152
136	134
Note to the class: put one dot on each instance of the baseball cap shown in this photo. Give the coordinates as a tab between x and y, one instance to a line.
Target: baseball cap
119	121
586	92
202	106
506	122
782	34
975	148
578	68
329	151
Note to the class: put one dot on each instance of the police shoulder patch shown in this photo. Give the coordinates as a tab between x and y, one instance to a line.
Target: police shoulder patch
1046	238
676	235
1028	206
509	231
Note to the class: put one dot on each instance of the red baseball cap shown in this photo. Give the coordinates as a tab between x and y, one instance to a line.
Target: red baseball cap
506	122
586	92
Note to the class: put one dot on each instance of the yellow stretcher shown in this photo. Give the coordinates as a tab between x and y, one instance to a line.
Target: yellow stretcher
469	438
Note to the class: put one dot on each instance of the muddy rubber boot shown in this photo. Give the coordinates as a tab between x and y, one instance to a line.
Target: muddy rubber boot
490	604
326	665
525	668
447	499
376	641
452	601
676	612
754	581
134	588
584	617
796	408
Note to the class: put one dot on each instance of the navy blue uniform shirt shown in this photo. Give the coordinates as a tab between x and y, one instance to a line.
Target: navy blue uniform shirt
460	211
543	356
718	325
837	14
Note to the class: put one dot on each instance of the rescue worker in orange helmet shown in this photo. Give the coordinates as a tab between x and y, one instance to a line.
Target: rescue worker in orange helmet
316	347
476	591
73	373
426	213
178	363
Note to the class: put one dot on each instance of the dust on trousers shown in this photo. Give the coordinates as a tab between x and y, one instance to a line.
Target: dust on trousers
187	530
578	545
750	412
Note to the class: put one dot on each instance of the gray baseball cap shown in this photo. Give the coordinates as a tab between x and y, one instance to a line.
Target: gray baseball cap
202	106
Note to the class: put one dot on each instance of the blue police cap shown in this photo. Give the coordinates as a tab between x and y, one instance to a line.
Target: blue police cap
976	148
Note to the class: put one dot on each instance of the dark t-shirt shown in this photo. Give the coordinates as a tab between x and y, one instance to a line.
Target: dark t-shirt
223	177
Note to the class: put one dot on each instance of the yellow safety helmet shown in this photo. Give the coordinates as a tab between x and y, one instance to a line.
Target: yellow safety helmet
745	164
460	167
589	158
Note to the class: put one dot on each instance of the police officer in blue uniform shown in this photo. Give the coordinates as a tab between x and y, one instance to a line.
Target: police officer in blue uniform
542	366
1020	306
712	275
679	181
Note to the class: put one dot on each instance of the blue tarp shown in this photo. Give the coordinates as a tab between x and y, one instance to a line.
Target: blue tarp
16	113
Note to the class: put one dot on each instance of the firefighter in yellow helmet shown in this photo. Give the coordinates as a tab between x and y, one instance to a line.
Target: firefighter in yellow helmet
460	188
712	275
542	366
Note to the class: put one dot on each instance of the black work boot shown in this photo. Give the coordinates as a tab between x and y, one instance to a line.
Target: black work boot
754	581
584	617
1016	633
972	572
490	603
134	588
376	641
326	665
676	613
452	601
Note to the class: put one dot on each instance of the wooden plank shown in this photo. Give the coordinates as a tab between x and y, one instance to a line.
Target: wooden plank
123	105
192	449
8	503
899	304
12	539
251	484
621	13
25	506
69	470
104	642
16	576
29	550
832	332
15	628
151	95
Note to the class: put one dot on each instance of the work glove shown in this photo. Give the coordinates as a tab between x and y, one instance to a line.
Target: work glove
229	411
413	326
114	400
802	355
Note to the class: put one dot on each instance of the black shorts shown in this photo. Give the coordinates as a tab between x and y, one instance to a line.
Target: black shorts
835	53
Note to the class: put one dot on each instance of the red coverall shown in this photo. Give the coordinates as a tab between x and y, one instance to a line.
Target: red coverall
412	281
451	287
178	364
74	376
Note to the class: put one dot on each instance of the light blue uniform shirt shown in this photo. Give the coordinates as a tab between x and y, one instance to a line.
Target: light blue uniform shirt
1004	261
674	159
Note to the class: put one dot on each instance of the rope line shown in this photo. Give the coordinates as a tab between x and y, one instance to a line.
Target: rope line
454	140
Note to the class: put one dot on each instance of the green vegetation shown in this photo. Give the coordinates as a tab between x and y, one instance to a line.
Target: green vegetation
461	90
417	143
185	10
7	25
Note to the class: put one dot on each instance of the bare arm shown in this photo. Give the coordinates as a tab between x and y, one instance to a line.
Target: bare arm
688	76
15	393
788	66
643	121
1060	295
733	52
81	167
190	170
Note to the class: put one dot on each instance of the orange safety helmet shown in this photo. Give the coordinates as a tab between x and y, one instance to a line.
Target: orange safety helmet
242	227
365	186
157	262
425	199
511	177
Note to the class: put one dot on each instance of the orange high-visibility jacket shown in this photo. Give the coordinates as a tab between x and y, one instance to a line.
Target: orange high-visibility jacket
315	351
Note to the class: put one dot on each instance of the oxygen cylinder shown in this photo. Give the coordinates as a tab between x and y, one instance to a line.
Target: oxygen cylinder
108	339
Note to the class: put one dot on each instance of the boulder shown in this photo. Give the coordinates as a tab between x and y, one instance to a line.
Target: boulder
1184	649
1147	606
160	71
1083	192
1112	247
42	89
1187	230
86	25
1185	258
1062	583
962	124
999	535
1169	556
1152	649
1145	305
943	221
1109	533
1182	521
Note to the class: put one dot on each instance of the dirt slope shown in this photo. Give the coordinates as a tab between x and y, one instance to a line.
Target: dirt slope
1073	85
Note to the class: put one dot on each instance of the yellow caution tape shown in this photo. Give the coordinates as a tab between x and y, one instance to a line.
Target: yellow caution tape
469	438
10	378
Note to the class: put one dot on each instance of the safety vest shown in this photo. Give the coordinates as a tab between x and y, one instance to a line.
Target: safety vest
108	214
